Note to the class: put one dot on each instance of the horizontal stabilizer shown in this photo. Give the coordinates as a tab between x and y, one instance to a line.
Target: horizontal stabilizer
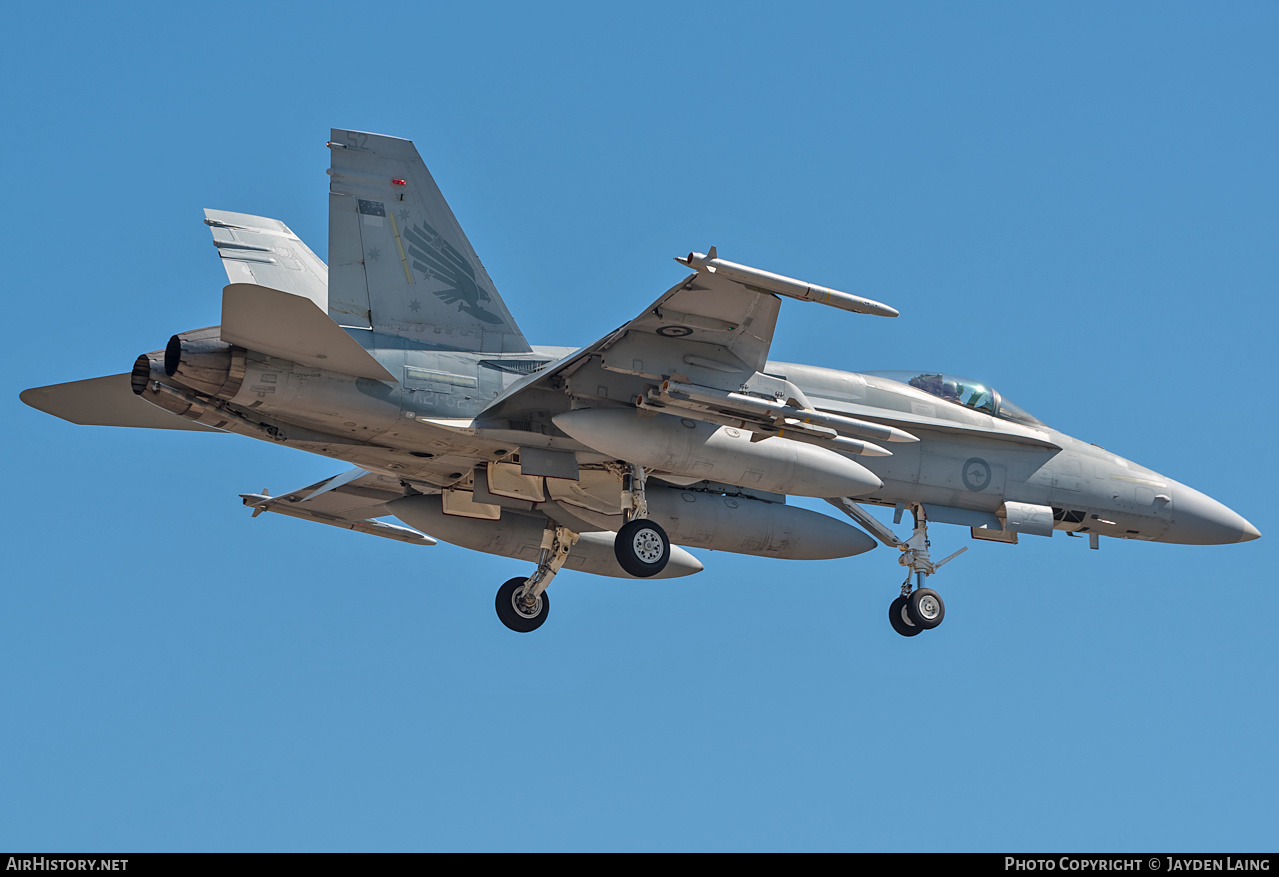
107	401
352	501
292	327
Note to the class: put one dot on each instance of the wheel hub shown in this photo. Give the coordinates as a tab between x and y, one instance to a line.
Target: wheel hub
929	608
648	546
522	606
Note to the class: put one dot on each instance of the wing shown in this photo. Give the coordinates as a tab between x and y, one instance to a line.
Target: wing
401	264
717	323
353	500
700	350
107	401
265	252
712	326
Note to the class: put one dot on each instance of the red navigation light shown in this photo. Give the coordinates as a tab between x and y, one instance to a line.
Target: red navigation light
398	183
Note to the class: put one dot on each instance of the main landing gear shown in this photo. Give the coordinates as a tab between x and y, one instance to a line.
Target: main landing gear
641	546
918	608
519	614
522	604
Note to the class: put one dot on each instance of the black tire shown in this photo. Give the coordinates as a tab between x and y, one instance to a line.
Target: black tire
926	608
642	548
897	618
514	617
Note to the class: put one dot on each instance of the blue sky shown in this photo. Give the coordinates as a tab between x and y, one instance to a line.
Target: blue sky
1074	202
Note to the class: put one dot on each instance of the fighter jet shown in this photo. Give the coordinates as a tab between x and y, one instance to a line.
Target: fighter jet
400	359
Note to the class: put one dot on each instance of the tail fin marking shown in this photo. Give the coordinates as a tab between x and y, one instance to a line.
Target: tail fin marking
398	257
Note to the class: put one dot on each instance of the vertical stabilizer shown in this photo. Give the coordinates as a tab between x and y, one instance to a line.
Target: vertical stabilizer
399	262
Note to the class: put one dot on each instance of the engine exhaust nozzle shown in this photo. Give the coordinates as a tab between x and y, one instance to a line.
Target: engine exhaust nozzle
204	362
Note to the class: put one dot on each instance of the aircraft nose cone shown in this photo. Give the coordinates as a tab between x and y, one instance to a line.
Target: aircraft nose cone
1198	519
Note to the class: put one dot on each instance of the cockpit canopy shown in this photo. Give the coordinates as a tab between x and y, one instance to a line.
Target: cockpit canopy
963	391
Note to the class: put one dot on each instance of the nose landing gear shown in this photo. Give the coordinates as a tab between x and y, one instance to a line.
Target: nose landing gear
922	607
918	608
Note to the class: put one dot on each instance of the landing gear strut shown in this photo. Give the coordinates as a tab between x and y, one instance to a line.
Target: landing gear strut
641	546
522	604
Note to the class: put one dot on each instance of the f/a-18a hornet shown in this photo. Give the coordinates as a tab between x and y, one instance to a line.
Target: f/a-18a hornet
400	359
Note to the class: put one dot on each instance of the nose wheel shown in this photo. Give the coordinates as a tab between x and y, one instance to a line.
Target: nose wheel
920	611
899	618
926	608
918	608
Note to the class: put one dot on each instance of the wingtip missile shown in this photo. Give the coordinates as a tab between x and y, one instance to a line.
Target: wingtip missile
256	501
767	281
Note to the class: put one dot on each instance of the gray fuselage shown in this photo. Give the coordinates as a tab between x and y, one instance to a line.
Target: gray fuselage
965	468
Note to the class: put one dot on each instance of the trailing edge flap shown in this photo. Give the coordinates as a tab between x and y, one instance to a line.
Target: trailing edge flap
255	249
351	501
399	262
915	422
107	401
292	327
